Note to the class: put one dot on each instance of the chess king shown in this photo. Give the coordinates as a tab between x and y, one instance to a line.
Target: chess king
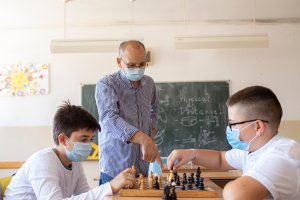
270	162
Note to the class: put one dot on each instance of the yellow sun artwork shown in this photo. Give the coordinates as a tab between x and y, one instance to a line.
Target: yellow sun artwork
24	80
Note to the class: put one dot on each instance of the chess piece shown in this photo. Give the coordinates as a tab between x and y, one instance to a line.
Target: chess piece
150	175
150	183
184	180
177	180
166	195
182	186
142	186
173	194
189	183
193	179
201	184
198	172
156	183
133	170
139	180
159	179
171	176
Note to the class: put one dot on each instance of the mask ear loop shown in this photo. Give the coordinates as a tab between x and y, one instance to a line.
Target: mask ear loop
257	134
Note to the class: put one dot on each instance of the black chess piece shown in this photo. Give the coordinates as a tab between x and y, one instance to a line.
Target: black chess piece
166	195
197	182
198	172
177	180
189	183
173	194
156	183
184	180
182	186
201	184
193	179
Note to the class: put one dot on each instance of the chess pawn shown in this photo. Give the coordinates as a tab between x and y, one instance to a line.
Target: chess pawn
183	186
133	170
159	179
201	184
156	183
193	179
189	184
150	175
150	184
142	186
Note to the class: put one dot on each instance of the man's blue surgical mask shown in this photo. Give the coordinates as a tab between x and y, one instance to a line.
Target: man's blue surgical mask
135	74
80	152
233	138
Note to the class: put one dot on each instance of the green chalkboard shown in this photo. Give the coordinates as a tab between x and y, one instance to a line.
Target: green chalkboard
191	114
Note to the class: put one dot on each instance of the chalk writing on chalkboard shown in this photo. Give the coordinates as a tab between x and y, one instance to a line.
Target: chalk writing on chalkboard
192	115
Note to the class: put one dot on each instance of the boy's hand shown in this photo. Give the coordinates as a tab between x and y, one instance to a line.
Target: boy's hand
183	156
125	178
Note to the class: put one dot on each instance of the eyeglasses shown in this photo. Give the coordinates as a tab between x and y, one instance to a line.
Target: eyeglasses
135	66
236	123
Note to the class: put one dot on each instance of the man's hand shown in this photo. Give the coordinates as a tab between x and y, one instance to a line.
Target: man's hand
149	148
183	156
125	178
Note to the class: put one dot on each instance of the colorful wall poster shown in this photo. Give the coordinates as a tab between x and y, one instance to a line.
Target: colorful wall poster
24	80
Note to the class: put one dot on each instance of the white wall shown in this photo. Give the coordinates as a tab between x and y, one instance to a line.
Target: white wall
26	30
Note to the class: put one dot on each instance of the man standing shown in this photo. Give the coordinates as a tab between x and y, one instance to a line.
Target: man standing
127	106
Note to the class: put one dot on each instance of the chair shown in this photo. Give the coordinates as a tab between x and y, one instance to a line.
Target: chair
4	182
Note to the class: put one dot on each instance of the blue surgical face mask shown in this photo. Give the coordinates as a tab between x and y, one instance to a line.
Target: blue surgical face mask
135	74
233	138
80	152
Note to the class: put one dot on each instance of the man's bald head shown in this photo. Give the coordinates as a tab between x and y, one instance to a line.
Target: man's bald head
132	44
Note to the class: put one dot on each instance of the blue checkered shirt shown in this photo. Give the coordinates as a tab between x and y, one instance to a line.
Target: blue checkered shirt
124	110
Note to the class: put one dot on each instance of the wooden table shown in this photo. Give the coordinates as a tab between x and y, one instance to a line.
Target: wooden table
208	183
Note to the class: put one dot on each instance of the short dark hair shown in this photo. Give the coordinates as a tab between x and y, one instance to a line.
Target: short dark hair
259	103
70	118
134	43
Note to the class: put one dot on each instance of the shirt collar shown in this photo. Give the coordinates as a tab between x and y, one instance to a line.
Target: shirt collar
128	82
267	145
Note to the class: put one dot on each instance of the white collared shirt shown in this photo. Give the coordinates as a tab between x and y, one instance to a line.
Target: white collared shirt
276	165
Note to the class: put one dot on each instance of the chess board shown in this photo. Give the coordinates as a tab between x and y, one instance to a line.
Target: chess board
208	192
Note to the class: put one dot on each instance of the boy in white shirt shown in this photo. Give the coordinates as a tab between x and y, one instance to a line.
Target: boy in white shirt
56	173
270	162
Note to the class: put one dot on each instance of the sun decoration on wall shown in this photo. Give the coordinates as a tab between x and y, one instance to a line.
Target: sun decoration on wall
24	80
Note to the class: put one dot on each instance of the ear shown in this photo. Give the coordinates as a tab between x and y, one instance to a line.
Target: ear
119	61
61	139
260	127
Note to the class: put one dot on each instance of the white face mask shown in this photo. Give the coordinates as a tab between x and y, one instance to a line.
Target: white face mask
134	74
80	152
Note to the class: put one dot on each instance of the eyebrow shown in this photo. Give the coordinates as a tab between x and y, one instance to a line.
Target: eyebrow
86	136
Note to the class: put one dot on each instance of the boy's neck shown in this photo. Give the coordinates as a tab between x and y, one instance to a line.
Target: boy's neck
260	142
61	153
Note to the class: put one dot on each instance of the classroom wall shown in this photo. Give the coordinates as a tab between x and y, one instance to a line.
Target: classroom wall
25	122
